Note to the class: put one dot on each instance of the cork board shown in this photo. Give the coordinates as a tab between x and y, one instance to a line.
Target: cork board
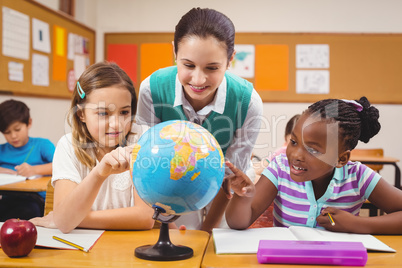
358	64
60	66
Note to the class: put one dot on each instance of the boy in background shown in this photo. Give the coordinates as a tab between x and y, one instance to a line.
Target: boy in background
22	155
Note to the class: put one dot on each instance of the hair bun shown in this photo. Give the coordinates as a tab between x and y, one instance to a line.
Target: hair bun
370	125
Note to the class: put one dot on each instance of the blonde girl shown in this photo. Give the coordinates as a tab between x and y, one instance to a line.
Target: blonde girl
91	178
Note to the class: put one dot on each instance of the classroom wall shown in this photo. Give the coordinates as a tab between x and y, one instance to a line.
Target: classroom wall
358	16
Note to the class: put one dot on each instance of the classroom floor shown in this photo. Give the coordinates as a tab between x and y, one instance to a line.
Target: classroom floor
265	220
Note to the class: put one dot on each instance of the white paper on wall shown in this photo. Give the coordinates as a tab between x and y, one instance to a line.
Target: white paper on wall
40	70
15	34
312	82
40	36
71	46
312	56
15	71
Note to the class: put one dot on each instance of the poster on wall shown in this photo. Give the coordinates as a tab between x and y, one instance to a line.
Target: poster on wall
70	46
312	56
40	70
272	67
15	34
312	82
59	53
244	60
126	56
15	71
40	36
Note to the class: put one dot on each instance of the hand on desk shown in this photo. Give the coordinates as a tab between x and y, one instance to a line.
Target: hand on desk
344	221
46	221
25	169
7	171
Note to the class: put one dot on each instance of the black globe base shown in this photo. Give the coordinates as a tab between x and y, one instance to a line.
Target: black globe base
163	253
164	250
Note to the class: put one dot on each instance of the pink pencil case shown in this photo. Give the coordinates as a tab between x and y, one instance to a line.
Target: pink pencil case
312	252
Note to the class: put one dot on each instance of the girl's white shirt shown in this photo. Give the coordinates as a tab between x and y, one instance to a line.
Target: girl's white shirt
115	192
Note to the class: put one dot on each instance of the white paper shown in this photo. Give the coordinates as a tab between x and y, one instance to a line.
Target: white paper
40	70
312	82
40	35
314	234
79	44
85	238
243	62
229	241
312	56
79	65
71	46
15	71
9	178
15	34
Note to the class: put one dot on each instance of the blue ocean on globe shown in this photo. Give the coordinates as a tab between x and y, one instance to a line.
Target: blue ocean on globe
177	166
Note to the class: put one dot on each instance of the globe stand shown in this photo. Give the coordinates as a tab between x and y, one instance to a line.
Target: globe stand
163	250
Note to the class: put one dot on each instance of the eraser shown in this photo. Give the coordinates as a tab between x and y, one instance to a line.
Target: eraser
312	252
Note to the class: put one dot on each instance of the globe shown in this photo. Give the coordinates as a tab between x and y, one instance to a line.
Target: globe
177	166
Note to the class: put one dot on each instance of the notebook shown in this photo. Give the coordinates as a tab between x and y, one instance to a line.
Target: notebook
229	241
9	178
85	238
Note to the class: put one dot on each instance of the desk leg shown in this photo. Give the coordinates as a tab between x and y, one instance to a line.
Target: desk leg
397	176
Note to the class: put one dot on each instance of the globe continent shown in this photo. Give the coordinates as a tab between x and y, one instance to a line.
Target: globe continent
177	166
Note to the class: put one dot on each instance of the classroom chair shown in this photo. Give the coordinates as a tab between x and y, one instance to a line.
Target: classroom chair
356	153
266	219
49	198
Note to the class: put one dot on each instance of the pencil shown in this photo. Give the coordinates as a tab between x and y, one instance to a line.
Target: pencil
331	220
29	153
70	243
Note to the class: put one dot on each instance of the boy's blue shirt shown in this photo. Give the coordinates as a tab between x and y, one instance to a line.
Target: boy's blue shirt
37	151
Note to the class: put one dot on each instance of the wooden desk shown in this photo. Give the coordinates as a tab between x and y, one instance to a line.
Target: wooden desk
114	249
375	259
384	160
35	185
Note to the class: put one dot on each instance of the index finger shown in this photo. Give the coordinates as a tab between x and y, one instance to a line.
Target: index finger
233	168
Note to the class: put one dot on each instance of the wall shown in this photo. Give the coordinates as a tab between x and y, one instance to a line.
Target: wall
48	116
53	4
358	16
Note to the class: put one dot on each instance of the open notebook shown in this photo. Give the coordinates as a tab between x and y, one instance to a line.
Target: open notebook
85	238
8	178
228	241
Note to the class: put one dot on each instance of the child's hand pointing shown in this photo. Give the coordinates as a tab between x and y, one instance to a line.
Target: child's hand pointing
238	182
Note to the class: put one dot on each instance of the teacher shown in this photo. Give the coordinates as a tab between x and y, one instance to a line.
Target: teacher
201	90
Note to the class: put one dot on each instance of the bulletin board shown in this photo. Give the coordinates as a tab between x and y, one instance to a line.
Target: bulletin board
344	65
43	50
